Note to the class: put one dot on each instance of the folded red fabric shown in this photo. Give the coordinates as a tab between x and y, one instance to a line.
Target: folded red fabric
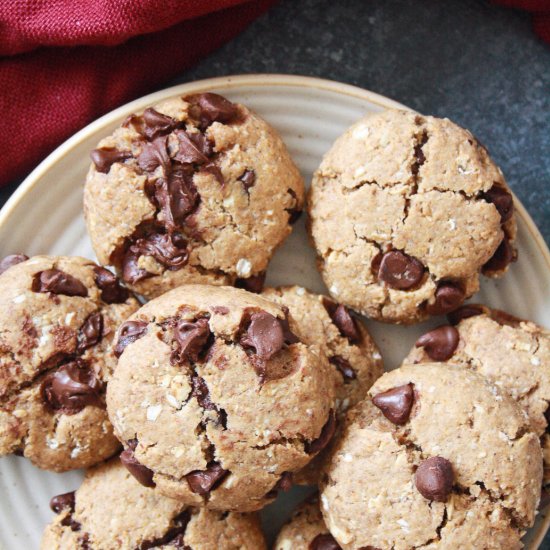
99	54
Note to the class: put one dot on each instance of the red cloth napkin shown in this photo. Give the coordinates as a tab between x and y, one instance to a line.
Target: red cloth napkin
66	62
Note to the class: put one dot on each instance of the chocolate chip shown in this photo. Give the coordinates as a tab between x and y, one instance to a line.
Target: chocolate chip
191	337
502	200
284	483
346	370
400	271
193	148
201	393
71	387
129	332
174	537
11	260
151	124
90	333
293	213
325	436
434	478
447	298
469	310
324	541
264	335
177	197
168	250
503	255
66	501
105	157
396	403
213	169
143	474
155	154
202	482
255	283
214	108
58	282
112	292
248	179
440	343
342	318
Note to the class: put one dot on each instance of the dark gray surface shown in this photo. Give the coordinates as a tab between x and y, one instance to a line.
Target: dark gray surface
475	63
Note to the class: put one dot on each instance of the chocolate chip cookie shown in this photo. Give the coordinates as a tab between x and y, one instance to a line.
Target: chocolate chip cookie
405	211
514	354
192	190
112	511
216	399
436	458
306	530
344	340
58	316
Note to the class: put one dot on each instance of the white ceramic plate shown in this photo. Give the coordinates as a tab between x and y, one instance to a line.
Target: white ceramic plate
45	216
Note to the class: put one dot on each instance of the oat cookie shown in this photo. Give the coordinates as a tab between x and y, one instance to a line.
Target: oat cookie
514	354
216	399
112	511
306	530
437	458
192	190
405	211
58	316
344	340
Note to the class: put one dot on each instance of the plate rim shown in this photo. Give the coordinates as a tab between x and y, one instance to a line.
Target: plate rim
234	82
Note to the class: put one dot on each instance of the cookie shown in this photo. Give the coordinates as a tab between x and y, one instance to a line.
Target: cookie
192	190
216	400
58	316
405	211
112	511
436	458
306	530
514	354
345	341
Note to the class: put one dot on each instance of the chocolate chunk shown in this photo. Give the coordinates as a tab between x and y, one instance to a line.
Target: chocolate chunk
469	310
201	393
143	474
213	108
284	483
255	283
151	124
193	148
191	337
400	271
202	482
71	387
155	154
66	501
447	298
325	436
346	370
434	478
248	179
264	335
324	541
174	537
293	213
11	260
112	292
58	282
105	157
342	318
90	332
502	201
440	343
68	521
503	255
129	332
168	250
213	169
396	403
177	197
